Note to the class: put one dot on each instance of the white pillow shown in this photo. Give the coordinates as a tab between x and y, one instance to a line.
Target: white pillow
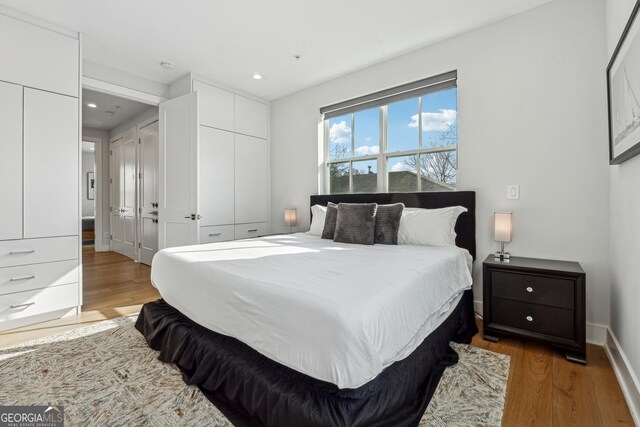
318	213
429	227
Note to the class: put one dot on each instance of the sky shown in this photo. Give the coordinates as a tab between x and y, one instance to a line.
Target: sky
439	110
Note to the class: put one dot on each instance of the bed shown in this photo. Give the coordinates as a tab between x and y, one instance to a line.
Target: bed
298	330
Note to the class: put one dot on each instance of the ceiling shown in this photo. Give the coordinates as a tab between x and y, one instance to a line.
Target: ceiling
229	41
99	117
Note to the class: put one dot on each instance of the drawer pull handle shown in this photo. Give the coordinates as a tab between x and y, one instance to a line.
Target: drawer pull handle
253	230
17	279
22	305
529	319
529	289
22	252
215	234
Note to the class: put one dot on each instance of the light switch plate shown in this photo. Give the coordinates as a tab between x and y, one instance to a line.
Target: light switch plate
513	191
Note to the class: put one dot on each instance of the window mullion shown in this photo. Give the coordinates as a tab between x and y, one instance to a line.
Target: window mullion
383	179
353	150
418	168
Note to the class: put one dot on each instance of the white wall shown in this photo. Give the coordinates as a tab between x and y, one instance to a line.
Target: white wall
532	110
103	145
124	79
624	240
88	165
134	121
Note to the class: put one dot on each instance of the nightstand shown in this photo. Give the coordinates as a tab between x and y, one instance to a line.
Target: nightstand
536	298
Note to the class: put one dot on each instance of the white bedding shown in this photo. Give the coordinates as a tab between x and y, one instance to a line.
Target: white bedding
337	312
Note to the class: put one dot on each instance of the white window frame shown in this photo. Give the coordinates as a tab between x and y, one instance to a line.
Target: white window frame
383	157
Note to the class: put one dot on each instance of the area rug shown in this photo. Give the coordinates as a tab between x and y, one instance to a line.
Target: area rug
105	374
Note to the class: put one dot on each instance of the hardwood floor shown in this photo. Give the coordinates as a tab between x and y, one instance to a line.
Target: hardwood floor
544	389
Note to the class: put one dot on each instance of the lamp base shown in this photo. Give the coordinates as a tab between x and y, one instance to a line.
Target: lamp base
502	256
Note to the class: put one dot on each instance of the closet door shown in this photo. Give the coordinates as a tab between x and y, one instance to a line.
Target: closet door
51	181
149	162
251	179
115	190
11	161
216	177
251	117
178	174
123	193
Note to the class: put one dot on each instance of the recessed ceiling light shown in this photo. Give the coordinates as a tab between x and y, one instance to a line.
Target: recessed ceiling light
257	76
92	105
168	65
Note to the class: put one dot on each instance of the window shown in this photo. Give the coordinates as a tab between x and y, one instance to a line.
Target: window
399	140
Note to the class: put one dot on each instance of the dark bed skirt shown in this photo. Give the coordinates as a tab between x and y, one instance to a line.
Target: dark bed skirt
252	390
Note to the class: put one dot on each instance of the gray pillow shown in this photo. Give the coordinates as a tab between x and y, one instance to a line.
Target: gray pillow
356	223
330	221
388	223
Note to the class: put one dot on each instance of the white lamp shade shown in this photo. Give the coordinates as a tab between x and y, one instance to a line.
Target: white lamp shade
290	216
502	226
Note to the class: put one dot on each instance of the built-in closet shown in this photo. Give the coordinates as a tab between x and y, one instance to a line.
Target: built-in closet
134	164
214	161
40	275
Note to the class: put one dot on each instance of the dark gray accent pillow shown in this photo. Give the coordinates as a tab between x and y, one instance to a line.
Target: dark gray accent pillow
388	223
330	221
356	223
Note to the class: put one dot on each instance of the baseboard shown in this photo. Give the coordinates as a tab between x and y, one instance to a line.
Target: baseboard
596	334
626	377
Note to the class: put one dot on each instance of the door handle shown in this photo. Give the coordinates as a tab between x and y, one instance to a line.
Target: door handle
215	234
153	213
253	230
194	216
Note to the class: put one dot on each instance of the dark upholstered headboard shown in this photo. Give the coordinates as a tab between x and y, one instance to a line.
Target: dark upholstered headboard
465	227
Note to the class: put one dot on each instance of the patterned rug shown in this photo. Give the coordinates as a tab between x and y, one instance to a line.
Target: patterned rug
106	375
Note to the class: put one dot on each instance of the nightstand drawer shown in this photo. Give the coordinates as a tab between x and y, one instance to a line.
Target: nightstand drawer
551	321
552	291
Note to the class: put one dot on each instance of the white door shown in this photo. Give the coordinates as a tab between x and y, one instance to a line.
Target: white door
51	163
123	196
216	177
11	161
251	186
178	174
148	203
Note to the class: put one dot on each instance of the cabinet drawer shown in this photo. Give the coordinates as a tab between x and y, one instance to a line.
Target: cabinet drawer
32	251
36	276
552	291
556	322
216	233
249	230
30	303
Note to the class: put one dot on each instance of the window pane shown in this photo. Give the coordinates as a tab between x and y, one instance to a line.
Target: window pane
339	178
439	171
402	174
340	137
402	125
365	176
366	132
440	119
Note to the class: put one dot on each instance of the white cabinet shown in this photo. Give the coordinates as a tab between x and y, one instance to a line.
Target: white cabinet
51	177
11	161
251	179
251	117
217	189
36	57
231	158
40	273
215	106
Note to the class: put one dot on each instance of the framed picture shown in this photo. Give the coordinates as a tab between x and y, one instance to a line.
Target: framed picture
91	186
623	88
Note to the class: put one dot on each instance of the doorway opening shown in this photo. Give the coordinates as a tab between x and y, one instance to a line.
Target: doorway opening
124	132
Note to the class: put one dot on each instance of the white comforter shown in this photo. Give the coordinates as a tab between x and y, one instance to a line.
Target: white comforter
337	312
